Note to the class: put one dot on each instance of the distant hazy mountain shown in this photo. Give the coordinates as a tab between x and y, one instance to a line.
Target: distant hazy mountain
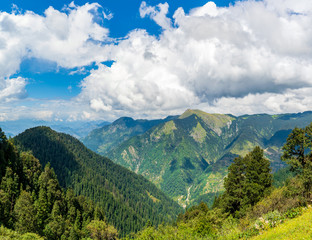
187	157
108	137
129	200
77	129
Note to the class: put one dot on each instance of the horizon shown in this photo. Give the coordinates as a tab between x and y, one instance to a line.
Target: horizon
149	119
76	61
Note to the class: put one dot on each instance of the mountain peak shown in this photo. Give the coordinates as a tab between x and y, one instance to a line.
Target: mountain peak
215	121
124	120
190	112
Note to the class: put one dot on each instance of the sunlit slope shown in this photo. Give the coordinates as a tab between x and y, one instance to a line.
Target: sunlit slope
188	157
299	228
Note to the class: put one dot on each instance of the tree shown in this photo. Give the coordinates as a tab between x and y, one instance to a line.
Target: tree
234	186
248	181
24	213
258	176
295	148
100	230
297	153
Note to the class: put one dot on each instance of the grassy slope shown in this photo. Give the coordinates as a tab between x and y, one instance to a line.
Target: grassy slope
189	156
297	228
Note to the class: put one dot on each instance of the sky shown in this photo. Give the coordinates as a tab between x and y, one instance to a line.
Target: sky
100	60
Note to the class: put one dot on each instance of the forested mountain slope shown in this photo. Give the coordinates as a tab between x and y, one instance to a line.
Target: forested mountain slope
106	138
129	200
188	157
32	202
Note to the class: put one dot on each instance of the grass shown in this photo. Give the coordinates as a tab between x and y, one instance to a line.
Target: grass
298	228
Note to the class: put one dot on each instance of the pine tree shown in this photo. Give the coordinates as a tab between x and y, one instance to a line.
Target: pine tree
248	181
234	186
258	177
297	153
24	213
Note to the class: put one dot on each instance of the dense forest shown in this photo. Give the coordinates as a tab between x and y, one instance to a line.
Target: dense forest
35	206
250	205
128	200
188	157
33	203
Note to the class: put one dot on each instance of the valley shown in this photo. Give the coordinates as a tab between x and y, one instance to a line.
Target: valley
187	157
172	168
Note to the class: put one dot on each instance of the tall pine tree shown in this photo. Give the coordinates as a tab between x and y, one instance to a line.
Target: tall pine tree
248	181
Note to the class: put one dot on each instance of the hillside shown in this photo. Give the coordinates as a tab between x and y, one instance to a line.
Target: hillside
32	203
297	228
188	157
106	138
128	200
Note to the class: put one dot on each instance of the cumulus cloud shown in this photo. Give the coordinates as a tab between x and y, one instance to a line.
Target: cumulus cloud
158	14
290	101
254	52
250	57
70	39
12	89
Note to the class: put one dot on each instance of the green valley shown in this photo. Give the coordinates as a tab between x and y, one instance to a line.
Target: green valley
187	157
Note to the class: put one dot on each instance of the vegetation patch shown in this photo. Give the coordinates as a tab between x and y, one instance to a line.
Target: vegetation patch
152	197
297	228
198	133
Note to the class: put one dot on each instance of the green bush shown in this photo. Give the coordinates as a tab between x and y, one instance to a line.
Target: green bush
294	212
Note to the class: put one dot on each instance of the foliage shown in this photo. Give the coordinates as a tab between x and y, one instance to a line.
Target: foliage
8	234
297	153
248	181
298	228
100	230
282	176
128	200
189	156
33	203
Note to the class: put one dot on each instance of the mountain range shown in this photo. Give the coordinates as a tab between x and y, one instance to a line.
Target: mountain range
78	129
187	156
129	200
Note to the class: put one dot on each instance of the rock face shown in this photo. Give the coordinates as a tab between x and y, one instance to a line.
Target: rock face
187	157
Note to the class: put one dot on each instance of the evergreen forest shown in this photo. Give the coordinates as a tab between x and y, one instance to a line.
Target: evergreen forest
254	204
34	206
128	200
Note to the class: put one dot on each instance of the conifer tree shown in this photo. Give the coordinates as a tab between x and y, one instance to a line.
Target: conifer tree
248	181
234	186
24	213
297	153
258	177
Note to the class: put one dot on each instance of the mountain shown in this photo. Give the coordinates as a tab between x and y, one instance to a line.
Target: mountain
188	157
32	202
77	129
104	139
129	200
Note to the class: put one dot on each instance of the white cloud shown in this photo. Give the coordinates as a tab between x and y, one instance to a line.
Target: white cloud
71	39
12	89
254	56
212	55
290	101
158	14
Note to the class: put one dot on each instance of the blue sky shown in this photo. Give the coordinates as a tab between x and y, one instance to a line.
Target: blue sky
99	60
46	79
